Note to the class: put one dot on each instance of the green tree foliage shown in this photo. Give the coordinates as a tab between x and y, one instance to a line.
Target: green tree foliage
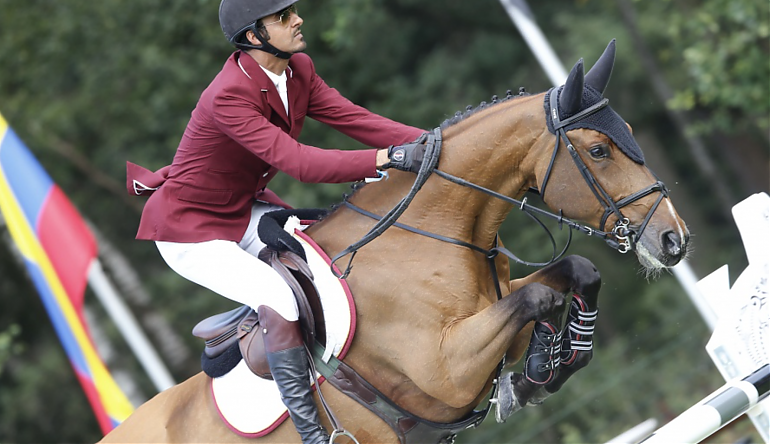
718	53
88	85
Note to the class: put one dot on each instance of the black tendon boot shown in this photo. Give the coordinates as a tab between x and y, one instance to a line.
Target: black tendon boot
516	390
577	342
543	354
288	361
541	363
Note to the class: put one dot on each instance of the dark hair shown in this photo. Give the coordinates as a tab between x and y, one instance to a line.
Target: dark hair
242	39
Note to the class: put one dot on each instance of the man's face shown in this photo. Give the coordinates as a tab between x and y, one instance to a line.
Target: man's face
284	30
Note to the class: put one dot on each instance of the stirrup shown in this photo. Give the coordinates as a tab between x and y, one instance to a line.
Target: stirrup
342	432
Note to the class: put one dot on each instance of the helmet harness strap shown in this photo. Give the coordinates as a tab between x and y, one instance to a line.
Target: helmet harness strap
266	47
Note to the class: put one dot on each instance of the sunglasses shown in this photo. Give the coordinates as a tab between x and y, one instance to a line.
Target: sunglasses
284	16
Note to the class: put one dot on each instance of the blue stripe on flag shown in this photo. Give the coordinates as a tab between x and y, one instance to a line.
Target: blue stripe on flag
27	179
60	324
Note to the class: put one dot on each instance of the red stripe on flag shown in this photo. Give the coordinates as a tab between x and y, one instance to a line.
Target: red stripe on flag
105	423
68	242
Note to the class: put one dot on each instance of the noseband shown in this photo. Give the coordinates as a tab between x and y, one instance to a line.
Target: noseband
622	238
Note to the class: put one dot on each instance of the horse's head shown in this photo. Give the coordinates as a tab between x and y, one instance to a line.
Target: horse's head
597	172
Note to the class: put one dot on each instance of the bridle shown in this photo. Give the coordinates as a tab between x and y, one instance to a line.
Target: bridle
626	237
621	238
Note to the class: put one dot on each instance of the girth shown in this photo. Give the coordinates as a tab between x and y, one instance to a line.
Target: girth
409	428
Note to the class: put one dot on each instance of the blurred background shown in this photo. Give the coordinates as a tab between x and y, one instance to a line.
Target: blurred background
88	85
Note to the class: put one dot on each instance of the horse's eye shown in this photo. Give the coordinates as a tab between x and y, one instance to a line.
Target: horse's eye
599	151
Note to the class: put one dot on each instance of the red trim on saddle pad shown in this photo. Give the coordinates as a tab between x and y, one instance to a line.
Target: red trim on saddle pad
259	434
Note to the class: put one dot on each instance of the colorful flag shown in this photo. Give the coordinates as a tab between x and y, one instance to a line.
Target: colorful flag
58	250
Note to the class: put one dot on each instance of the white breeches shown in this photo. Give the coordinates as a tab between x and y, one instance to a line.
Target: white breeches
232	269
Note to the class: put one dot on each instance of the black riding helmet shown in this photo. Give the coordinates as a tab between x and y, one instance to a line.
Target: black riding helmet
238	16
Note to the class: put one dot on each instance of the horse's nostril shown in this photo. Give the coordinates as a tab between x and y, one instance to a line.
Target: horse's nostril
672	244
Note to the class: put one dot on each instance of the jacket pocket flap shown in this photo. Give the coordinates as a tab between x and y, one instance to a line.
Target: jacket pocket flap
191	193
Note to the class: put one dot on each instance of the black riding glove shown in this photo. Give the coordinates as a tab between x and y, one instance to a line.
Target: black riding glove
407	157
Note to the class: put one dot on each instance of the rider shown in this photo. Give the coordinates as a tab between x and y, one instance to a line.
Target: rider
204	208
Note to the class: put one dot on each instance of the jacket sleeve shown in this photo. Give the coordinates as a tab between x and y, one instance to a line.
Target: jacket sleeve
328	106
242	120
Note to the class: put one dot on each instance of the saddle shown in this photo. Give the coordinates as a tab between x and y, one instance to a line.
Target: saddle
238	329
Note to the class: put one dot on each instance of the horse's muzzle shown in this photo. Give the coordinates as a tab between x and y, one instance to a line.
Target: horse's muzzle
673	247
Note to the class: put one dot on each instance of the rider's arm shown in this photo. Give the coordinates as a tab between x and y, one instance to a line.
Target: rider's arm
328	106
241	119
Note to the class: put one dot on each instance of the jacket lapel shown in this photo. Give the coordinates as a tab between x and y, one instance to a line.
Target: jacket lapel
263	82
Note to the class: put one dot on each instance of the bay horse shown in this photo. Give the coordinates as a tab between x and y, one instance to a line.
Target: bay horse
431	329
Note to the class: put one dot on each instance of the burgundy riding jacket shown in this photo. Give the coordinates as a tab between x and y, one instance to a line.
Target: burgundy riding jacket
239	137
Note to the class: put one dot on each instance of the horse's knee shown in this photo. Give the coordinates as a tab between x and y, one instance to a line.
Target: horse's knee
543	302
585	276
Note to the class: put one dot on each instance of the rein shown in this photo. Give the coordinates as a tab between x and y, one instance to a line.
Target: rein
432	152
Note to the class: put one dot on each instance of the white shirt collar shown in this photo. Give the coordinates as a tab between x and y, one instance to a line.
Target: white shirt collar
276	79
280	84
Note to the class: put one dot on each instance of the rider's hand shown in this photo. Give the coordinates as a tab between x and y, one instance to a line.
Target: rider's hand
407	157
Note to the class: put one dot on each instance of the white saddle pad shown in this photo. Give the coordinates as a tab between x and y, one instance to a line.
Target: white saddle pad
233	393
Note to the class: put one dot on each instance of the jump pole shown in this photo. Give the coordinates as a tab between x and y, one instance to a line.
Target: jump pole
716	410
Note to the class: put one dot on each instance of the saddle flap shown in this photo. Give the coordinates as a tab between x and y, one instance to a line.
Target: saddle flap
296	272
295	263
254	353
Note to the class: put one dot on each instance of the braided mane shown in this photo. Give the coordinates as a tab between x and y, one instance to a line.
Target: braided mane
470	110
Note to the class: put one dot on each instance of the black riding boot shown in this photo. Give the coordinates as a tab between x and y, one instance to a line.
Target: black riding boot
289	366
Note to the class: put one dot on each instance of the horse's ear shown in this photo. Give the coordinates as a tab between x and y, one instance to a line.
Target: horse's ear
599	74
572	94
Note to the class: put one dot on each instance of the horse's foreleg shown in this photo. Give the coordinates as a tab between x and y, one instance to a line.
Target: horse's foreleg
479	342
545	373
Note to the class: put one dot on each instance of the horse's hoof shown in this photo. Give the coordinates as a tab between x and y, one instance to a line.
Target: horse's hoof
504	400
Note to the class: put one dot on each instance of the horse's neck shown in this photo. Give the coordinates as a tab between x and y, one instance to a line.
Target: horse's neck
492	148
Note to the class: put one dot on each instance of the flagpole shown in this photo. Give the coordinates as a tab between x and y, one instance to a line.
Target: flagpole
125	322
129	327
522	17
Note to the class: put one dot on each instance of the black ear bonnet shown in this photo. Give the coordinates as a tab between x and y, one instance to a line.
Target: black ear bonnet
605	121
588	89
